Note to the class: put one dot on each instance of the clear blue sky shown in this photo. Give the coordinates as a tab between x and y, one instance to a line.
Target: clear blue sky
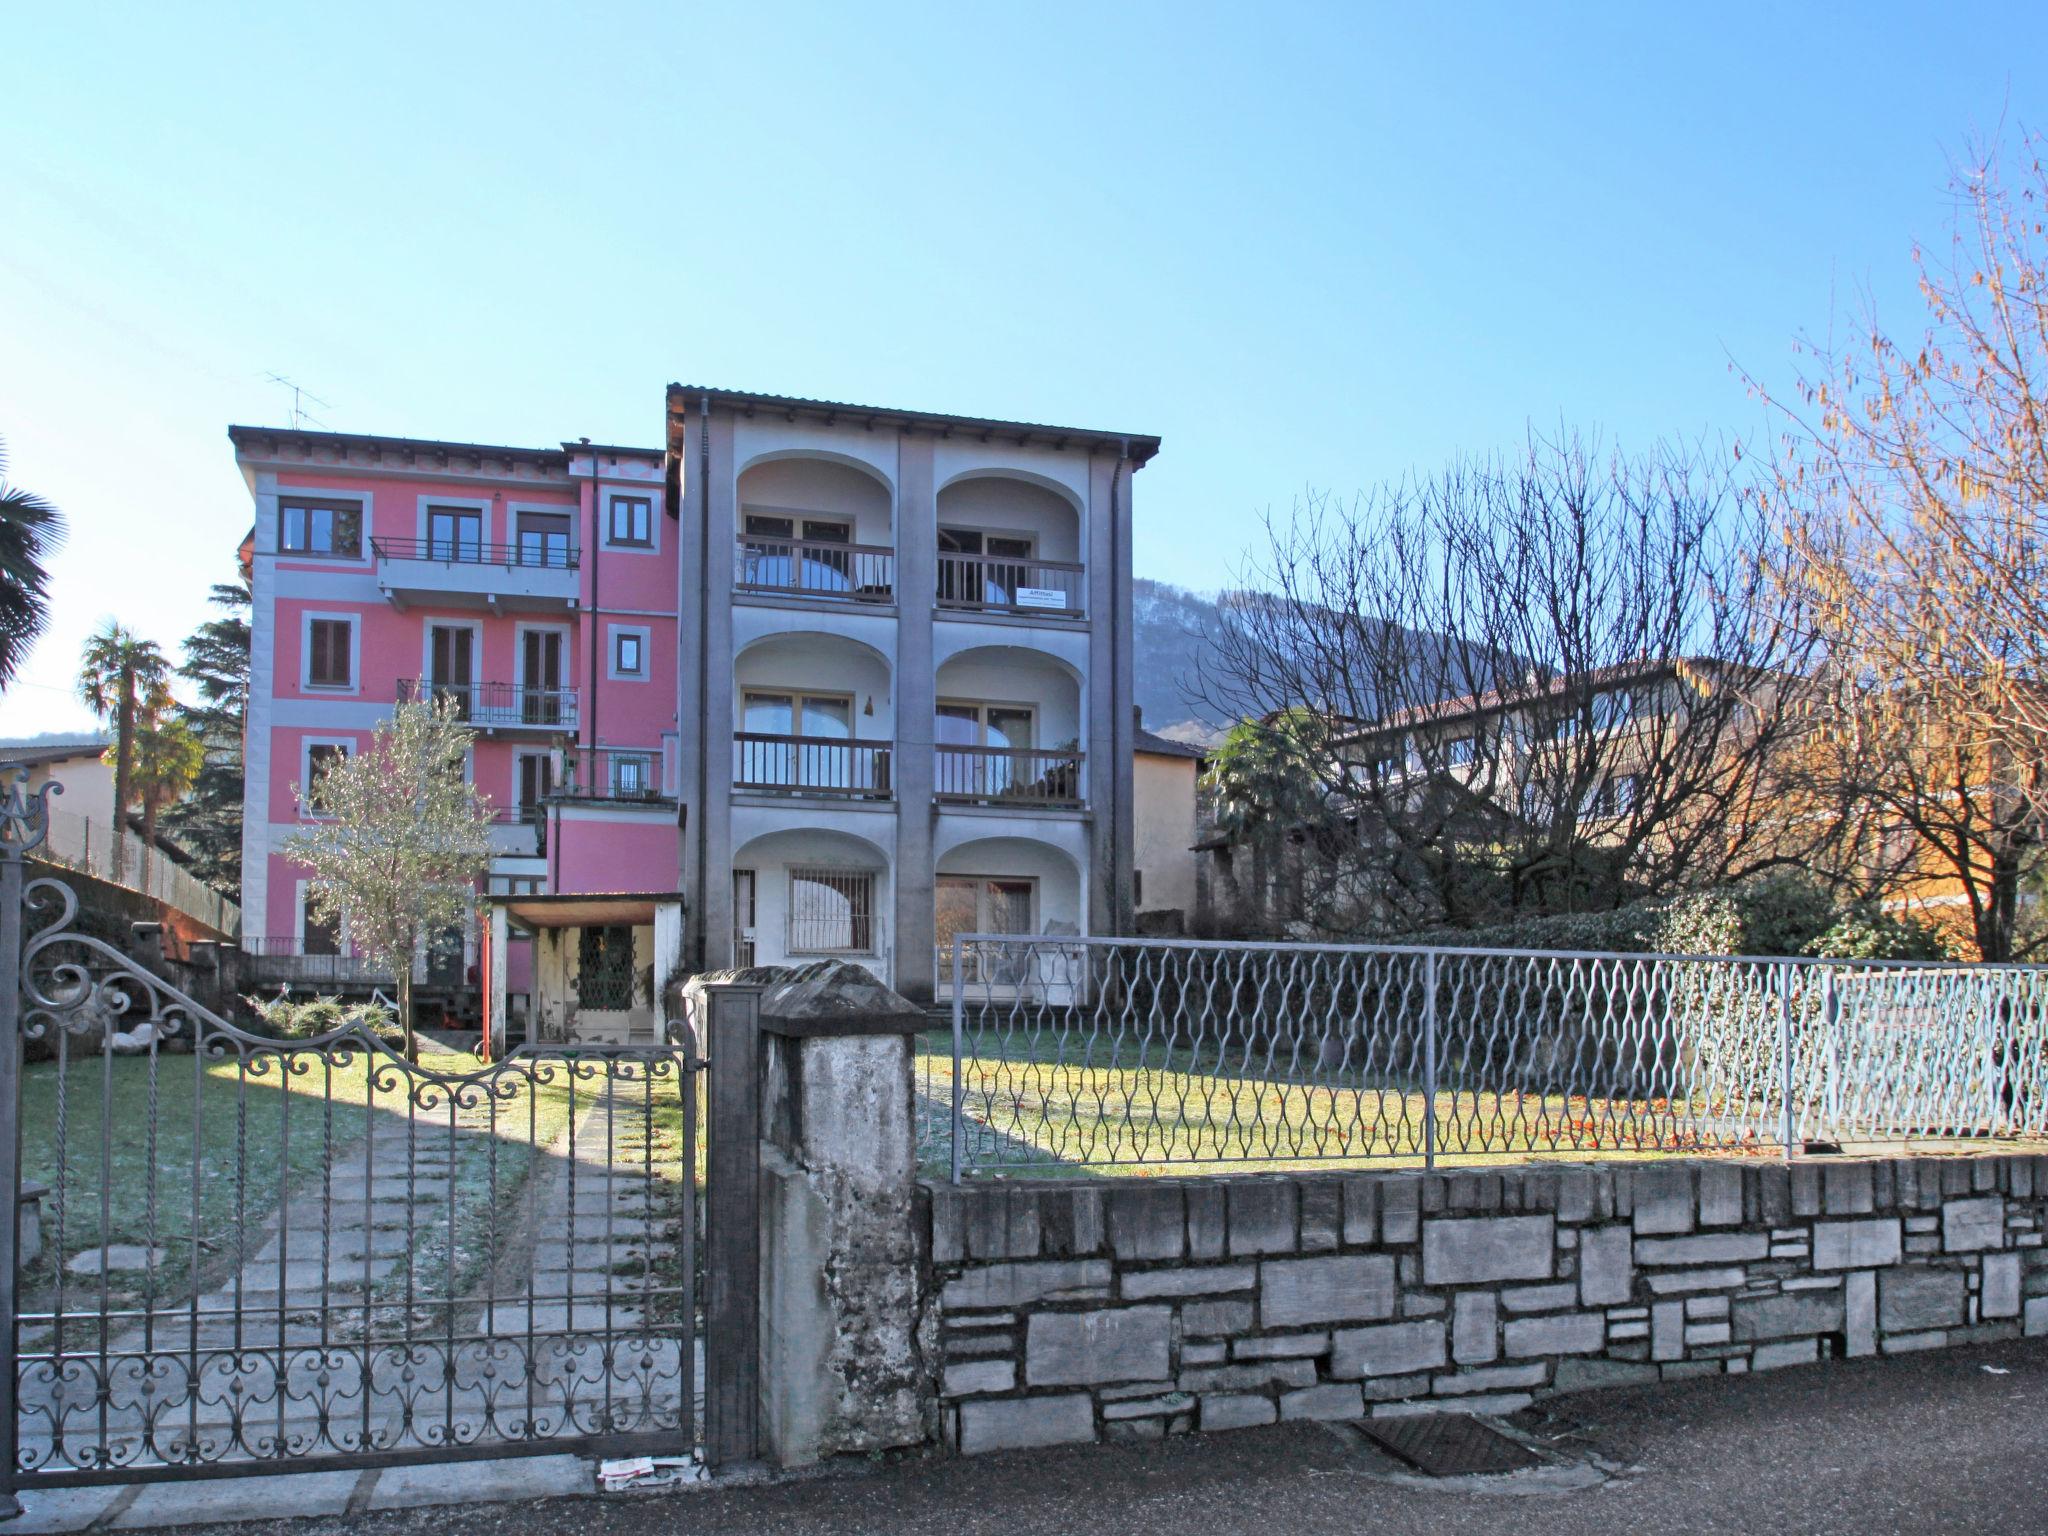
1307	245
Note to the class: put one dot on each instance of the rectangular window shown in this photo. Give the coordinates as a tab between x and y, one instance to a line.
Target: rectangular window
321	934
320	528
632	776
632	520
1460	751
979	904
536	782
320	756
831	912
544	539
329	663
629	653
455	533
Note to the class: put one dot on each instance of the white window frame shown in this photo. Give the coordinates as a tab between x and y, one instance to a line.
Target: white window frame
606	495
543	509
478	504
519	756
645	634
568	634
363	502
476	648
342	944
355	654
349	744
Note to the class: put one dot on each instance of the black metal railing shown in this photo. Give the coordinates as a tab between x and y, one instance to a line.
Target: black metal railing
530	554
992	583
497	706
861	573
610	773
267	961
1028	775
811	765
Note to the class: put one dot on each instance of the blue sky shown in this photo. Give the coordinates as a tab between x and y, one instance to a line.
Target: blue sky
1307	245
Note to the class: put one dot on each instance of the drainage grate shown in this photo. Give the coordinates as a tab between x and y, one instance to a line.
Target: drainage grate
1448	1444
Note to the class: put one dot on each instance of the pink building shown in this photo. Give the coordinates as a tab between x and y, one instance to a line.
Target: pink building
536	588
812	679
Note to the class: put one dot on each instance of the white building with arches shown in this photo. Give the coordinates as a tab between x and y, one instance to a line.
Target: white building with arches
905	680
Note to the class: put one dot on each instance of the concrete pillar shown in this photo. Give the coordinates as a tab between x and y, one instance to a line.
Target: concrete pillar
842	1371
1108	704
670	965
706	688
496	982
917	585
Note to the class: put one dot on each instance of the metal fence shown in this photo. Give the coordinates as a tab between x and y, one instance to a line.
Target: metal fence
1151	1052
91	848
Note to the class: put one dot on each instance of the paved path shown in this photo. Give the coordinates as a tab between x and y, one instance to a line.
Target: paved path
319	1305
1947	1442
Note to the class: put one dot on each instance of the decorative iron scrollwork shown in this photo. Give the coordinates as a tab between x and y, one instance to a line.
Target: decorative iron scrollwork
24	812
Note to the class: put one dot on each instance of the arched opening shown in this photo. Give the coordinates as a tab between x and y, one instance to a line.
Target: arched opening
817	528
813	714
811	894
1009	545
1013	890
1009	729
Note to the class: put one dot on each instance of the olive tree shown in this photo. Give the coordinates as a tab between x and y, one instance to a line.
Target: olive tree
400	840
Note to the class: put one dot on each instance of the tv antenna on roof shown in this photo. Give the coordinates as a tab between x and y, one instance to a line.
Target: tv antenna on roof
300	395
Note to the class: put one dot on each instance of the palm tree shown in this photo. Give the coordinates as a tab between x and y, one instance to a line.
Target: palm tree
118	669
168	757
31	531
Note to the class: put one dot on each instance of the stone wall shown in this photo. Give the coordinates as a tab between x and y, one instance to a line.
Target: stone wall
1134	1309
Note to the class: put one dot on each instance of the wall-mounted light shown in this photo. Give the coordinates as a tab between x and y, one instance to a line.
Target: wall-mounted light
869	707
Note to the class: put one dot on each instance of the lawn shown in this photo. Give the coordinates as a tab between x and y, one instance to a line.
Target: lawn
266	1123
1055	1102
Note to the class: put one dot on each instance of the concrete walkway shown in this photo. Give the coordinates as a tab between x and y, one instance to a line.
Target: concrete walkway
1948	1441
313	1344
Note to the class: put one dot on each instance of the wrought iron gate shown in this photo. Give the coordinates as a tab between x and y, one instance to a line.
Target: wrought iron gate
314	1250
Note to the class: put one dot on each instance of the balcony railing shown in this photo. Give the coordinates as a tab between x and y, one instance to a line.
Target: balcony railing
273	961
856	573
611	773
1008	775
812	765
539	555
499	706
991	583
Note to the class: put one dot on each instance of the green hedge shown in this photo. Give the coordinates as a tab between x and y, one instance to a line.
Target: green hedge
1777	915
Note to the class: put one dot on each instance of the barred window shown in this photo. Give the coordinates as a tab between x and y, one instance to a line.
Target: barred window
831	911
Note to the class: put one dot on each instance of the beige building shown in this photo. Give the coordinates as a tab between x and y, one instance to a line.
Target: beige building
1163	775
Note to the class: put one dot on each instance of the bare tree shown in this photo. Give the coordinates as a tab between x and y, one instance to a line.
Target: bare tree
1912	488
1555	682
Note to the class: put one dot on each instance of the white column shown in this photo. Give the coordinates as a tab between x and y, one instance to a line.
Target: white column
501	942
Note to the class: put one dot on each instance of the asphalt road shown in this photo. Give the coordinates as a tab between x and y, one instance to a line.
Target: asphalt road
1946	1442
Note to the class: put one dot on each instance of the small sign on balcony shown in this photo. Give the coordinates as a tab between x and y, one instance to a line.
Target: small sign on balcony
1041	597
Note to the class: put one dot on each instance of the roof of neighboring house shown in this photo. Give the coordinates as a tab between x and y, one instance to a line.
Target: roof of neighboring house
31	754
1027	433
1145	741
1522	695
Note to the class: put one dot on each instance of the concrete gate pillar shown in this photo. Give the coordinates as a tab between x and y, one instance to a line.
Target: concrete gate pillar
835	1359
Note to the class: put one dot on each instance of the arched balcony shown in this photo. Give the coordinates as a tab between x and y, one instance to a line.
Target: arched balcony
1008	729
813	715
1010	545
815	528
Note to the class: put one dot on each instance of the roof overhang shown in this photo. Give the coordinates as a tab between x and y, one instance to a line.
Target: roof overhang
586	910
684	398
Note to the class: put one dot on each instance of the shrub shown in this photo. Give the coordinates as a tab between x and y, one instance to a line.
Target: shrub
291	1018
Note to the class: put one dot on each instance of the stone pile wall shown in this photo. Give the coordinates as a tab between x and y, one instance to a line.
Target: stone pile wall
1133	1309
